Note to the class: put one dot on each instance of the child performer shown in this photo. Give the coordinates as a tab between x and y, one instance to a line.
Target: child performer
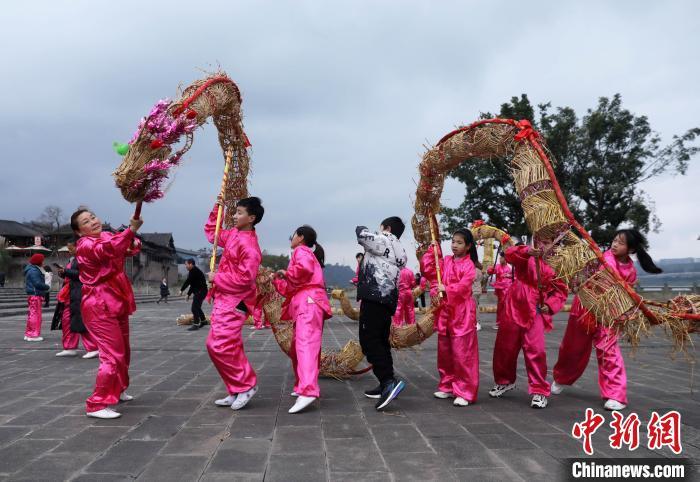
504	278
458	347
378	294
36	289
533	298
305	303
358	257
260	321
71	296
233	284
107	302
405	313
582	332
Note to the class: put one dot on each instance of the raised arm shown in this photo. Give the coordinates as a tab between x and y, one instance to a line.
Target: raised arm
372	242
210	228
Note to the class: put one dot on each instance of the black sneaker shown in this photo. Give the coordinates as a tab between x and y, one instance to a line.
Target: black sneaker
194	327
390	391
375	392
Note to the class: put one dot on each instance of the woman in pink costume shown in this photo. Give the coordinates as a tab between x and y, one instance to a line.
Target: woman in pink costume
458	347
533	298
234	295
306	304
504	278
107	302
405	313
582	332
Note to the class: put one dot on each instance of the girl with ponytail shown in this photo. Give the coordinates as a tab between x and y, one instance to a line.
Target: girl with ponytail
307	306
458	348
582	332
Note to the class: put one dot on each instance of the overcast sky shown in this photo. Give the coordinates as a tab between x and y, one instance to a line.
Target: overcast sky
339	99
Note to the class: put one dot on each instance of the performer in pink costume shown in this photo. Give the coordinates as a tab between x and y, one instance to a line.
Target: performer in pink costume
533	298
260	321
107	302
582	332
306	303
71	297
36	288
458	346
234	293
405	312
504	278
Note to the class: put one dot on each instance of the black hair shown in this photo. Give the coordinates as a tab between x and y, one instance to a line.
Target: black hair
637	244
397	226
502	254
361	255
47	269
190	261
468	239
310	236
253	206
74	218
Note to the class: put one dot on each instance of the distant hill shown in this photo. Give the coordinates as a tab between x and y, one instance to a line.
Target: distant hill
677	272
338	276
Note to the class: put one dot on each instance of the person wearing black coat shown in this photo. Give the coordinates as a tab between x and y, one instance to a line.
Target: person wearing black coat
197	284
70	320
164	291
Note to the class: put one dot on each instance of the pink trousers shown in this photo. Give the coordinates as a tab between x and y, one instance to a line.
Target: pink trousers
111	334
259	318
225	347
500	306
34	316
575	352
458	365
405	313
305	350
510	339
70	339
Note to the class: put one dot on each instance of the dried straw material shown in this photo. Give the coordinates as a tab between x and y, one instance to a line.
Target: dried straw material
348	310
216	97
576	260
334	364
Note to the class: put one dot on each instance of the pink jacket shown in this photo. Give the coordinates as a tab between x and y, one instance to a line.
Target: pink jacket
456	316
239	263
523	295
628	273
304	280
504	276
407	280
105	285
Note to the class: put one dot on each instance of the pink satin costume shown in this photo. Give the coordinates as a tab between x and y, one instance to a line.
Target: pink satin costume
108	300
405	312
458	346
523	326
234	282
306	303
582	334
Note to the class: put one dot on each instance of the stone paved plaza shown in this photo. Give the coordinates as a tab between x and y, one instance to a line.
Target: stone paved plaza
172	431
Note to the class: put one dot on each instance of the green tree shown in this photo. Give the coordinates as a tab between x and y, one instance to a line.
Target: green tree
275	261
600	162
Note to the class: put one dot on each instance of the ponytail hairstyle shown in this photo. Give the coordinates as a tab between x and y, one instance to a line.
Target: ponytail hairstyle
637	244
309	235
468	239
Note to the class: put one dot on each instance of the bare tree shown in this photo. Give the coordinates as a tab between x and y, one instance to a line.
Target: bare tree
51	216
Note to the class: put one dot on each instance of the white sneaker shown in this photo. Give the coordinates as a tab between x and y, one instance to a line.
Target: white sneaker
499	390
556	388
125	397
91	354
242	399
26	338
442	395
611	404
495	327
294	394
478	327
105	413
538	401
225	402
67	353
301	403
33	338
460	402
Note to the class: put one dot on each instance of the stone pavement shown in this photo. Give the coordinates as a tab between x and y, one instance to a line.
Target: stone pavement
172	431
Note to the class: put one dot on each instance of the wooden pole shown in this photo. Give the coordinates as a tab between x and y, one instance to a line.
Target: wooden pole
434	237
220	213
